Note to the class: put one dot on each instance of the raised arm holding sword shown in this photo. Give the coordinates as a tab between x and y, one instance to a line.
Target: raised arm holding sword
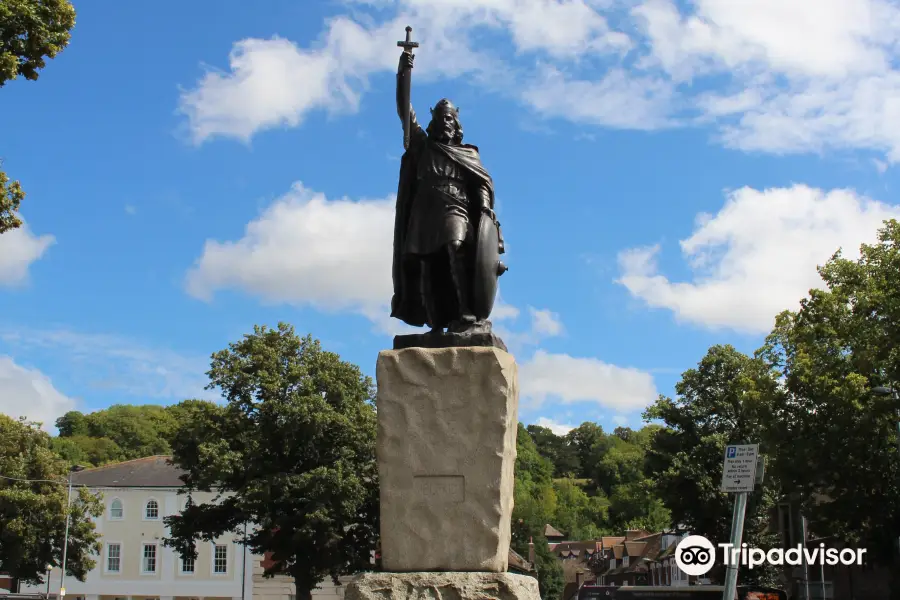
447	241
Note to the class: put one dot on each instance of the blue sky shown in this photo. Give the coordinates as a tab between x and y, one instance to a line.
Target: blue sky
668	177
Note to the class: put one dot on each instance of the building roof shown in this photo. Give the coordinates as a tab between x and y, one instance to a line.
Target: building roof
609	541
635	549
633	534
551	531
577	549
518	563
151	471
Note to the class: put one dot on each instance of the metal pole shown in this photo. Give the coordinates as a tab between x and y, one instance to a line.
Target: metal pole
244	570
737	532
805	563
822	576
49	568
62	575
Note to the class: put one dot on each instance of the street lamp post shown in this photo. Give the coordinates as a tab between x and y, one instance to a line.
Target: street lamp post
62	575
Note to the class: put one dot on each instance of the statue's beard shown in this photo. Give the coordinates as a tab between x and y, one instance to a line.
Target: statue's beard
445	133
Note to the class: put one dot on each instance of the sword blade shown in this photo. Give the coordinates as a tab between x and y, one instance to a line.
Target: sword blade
405	82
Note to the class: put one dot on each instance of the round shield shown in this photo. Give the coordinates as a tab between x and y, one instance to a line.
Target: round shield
486	268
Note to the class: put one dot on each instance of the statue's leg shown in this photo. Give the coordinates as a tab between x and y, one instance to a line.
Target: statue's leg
465	319
427	282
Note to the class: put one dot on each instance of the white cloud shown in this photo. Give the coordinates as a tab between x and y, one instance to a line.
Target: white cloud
29	393
274	83
545	323
306	249
757	256
108	362
572	379
618	99
555	427
620	420
798	76
19	248
503	311
806	75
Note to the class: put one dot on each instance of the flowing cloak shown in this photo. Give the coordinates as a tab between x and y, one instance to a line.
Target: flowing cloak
407	303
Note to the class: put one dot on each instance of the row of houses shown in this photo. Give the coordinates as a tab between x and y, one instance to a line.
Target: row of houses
134	564
636	558
648	558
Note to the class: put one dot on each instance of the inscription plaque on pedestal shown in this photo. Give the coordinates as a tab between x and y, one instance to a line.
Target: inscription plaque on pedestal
439	488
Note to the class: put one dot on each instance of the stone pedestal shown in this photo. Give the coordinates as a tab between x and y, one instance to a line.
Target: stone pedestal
445	586
447	423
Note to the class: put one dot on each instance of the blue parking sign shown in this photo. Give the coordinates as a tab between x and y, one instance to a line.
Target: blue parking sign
731	451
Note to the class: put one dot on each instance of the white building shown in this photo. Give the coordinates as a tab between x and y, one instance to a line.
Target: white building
134	564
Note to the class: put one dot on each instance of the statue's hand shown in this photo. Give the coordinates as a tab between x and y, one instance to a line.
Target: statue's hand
406	61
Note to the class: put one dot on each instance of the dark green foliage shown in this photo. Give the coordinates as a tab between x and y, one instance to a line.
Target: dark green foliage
30	32
11	196
835	439
293	449
729	398
33	514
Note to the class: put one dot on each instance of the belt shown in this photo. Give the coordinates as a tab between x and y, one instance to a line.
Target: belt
441	181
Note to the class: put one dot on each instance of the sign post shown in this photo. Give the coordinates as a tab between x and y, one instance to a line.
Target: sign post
739	477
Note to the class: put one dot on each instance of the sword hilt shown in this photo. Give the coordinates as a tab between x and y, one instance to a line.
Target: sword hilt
408	45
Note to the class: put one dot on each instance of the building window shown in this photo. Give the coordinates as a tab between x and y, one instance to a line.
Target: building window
148	561
624	561
116	510
151	513
220	559
187	565
113	558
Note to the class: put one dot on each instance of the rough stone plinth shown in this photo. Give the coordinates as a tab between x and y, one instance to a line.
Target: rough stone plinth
445	586
447	423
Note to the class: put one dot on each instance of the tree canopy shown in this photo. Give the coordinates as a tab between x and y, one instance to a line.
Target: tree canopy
33	508
292	453
30	32
836	440
729	398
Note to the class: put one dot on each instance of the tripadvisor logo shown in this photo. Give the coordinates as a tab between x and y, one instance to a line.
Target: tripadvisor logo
696	555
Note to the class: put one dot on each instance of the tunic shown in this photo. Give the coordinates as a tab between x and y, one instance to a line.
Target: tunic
439	213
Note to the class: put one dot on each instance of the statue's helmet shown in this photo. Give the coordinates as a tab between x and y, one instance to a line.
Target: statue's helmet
445	106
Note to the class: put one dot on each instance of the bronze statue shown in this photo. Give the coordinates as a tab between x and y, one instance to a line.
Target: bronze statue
447	241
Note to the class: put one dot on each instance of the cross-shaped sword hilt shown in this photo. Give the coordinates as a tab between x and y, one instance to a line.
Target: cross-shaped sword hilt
408	45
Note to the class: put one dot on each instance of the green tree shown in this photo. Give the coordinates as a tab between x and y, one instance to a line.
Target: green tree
557	449
73	423
729	398
839	441
33	512
84	450
580	516
30	31
11	196
293	452
534	506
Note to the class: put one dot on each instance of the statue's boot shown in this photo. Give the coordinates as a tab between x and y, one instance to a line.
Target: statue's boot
466	320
